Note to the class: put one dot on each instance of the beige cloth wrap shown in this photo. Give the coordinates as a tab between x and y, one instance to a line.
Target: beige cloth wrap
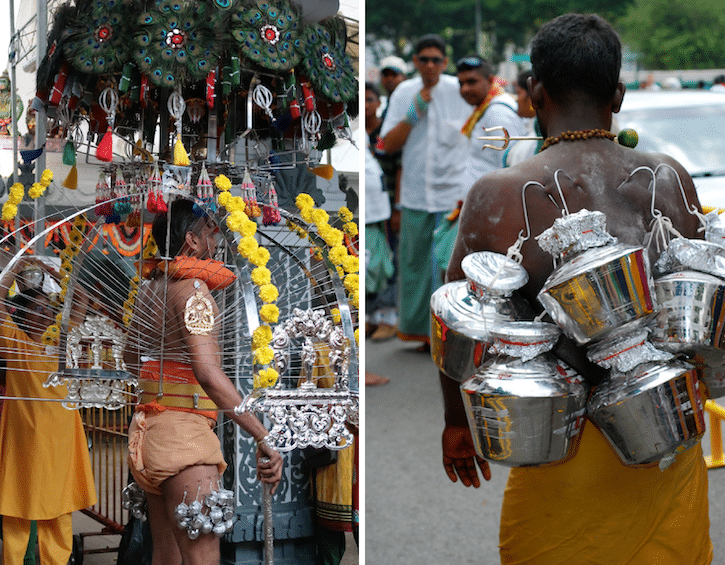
162	444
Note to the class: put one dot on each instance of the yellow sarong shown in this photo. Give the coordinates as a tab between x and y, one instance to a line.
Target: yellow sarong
593	509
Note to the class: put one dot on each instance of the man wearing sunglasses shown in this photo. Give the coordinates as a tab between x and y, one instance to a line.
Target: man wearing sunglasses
424	118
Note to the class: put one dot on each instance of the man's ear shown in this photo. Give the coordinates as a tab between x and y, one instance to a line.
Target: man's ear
618	97
190	240
536	92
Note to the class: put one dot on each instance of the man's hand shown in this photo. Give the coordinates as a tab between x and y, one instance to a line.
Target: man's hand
425	94
269	465
460	459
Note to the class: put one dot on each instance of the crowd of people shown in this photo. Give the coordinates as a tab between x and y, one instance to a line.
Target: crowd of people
428	141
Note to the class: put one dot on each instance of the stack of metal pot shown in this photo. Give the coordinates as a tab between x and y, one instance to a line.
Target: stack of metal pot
690	288
464	312
602	296
523	406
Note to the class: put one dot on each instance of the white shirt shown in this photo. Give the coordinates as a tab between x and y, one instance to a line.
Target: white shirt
377	201
435	151
500	112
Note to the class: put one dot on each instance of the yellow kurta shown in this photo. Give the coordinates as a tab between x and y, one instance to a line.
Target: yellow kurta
593	509
45	469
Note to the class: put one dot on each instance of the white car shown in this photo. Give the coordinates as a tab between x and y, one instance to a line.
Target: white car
688	125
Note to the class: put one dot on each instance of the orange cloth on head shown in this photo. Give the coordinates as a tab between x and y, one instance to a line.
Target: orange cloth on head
594	509
162	444
45	470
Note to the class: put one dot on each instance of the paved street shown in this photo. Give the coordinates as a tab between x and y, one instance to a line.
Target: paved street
414	514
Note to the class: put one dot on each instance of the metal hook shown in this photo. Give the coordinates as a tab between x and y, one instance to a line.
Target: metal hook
514	252
691	208
558	187
506	138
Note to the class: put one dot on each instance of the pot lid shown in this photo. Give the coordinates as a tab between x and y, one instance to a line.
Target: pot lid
524	340
692	254
493	273
625	352
575	233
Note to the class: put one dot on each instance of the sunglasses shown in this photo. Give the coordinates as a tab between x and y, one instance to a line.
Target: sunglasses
471	62
434	60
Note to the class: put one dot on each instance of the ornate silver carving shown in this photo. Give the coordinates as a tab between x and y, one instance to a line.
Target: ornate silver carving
308	416
90	348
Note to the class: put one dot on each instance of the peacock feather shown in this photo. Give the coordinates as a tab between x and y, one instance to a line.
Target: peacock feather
325	62
175	42
268	33
97	39
54	56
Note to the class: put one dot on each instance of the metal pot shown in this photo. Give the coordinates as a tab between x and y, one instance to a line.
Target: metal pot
694	304
650	413
524	411
464	312
599	291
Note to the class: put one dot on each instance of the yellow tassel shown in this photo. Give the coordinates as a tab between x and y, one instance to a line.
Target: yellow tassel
181	158
71	181
324	171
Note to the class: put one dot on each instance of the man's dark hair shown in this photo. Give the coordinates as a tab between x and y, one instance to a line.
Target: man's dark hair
577	53
522	77
431	40
372	88
184	218
20	304
475	63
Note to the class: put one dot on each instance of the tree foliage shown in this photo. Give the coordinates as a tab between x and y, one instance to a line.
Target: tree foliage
503	21
676	34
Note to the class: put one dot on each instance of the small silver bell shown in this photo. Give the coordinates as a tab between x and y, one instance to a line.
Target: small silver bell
183	523
193	533
211	499
207	526
216	514
197	522
195	507
181	511
219	529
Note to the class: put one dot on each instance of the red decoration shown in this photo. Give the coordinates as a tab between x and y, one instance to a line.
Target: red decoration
210	90
104	151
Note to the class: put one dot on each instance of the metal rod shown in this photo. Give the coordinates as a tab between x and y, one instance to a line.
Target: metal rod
268	521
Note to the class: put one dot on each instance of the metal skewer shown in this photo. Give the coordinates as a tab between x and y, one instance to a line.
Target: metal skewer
506	138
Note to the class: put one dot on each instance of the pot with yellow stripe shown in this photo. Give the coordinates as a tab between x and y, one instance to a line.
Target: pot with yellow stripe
602	286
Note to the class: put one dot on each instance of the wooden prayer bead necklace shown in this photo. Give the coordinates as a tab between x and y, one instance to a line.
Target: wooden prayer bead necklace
577	135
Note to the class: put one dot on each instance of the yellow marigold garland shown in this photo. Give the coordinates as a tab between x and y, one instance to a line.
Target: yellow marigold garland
15	197
51	335
347	265
249	248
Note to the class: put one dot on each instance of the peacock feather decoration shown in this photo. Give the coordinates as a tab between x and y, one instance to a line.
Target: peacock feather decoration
175	42
54	54
325	62
268	34
97	38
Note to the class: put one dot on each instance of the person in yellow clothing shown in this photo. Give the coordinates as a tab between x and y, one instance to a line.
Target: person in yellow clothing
45	469
591	508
